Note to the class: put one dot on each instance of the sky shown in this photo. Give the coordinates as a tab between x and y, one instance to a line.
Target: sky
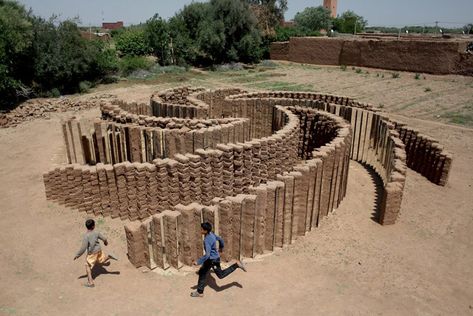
452	13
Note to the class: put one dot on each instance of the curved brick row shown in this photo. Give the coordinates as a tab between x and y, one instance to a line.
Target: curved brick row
269	215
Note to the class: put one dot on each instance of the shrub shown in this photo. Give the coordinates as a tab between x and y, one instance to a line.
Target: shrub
417	76
313	19
395	75
84	86
132	42
128	64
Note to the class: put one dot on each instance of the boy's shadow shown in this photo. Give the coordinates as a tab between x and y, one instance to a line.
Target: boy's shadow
98	270
213	284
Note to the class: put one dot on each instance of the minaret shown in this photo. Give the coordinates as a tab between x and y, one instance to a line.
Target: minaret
332	6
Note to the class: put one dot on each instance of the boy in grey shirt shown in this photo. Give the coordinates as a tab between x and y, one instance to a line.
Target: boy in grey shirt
91	243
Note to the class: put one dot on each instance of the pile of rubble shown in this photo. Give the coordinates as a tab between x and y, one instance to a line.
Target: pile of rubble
41	108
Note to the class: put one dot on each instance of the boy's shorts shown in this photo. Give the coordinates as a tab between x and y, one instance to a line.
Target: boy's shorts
94	258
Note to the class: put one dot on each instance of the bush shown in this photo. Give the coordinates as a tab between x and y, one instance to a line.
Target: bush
133	42
129	64
84	86
348	22
313	19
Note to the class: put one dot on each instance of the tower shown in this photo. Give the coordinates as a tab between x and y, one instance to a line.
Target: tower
332	6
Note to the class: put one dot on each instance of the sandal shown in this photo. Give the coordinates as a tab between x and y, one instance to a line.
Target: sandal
241	265
89	285
197	294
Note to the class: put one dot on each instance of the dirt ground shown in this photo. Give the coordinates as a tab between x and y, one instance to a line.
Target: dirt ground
350	265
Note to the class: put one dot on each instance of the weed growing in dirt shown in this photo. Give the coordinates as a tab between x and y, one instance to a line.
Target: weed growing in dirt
459	118
283	86
417	76
382	76
395	75
428	89
343	67
381	106
358	71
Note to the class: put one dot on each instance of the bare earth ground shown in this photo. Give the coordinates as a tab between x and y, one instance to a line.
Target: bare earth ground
350	265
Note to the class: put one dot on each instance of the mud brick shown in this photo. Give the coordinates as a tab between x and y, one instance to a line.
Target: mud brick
226	229
162	178
391	203
188	231
171	234
299	204
288	207
173	182
131	190
137	244
260	217
210	215
247	222
104	190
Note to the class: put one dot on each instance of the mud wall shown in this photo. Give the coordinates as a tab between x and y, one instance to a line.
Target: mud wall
424	56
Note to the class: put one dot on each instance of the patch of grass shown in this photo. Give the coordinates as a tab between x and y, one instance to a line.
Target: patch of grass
417	76
381	106
282	86
428	89
395	75
459	118
359	70
382	76
343	67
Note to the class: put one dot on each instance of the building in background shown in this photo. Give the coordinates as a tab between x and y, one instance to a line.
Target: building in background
112	25
332	6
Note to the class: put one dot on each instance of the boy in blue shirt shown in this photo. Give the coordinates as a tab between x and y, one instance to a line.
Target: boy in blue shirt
211	259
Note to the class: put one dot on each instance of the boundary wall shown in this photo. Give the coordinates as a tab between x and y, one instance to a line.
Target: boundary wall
424	56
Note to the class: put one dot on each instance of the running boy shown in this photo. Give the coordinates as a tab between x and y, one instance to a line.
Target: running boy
211	259
91	243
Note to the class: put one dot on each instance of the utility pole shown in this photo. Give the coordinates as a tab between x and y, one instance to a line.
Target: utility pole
436	26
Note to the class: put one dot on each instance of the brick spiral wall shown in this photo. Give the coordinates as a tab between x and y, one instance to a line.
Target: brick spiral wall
265	167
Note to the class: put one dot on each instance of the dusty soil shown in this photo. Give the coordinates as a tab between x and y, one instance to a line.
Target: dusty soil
349	266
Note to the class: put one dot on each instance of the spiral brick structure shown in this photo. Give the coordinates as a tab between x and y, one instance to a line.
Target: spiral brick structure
264	168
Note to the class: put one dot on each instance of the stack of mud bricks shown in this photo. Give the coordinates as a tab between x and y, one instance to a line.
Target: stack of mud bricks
425	155
227	169
184	178
174	195
162	184
206	182
134	107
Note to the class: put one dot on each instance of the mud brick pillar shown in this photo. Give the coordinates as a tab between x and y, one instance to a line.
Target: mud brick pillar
171	234
236	213
95	192
141	177
238	169
131	192
195	177
120	177
247	166
335	155
326	154
278	214
255	163
270	214
162	179
104	191
210	215
447	165
391	203
188	230
113	191
173	182
184	179
151	189
301	187
226	227
137	244
288	206
260	217
272	154
248	216
227	172
217	172
206	176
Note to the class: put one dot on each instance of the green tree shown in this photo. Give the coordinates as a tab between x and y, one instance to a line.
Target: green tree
132	42
157	35
270	14
349	22
313	19
15	42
